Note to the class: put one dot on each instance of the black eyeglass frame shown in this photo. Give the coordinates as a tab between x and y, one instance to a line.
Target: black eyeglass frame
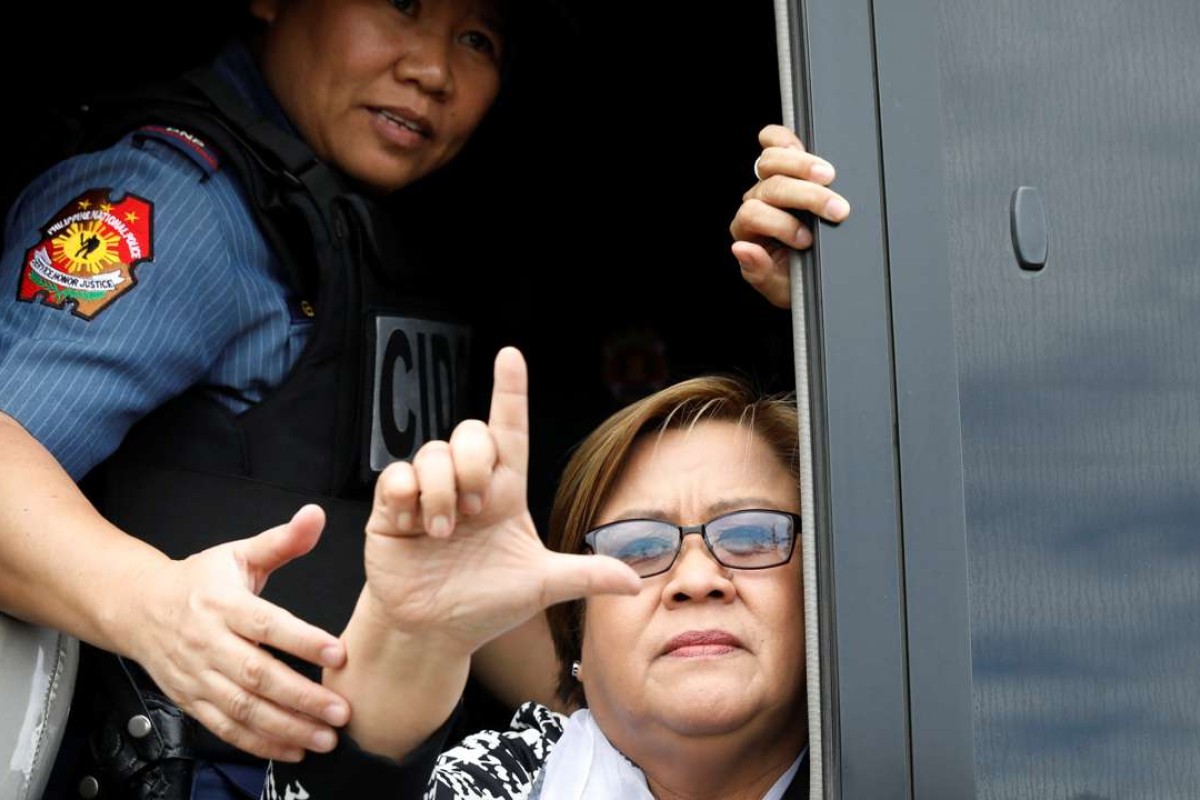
589	538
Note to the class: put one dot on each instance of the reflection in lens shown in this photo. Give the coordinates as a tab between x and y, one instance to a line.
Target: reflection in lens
751	538
646	546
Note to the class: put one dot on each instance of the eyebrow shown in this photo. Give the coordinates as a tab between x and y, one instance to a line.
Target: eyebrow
713	510
491	19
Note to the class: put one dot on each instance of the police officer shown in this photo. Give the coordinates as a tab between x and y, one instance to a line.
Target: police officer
207	278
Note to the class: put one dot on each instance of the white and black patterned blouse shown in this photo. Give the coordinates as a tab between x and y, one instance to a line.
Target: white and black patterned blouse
491	765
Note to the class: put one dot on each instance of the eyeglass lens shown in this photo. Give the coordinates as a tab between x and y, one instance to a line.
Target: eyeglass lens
742	540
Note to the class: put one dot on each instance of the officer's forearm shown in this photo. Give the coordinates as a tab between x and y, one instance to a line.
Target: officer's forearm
61	563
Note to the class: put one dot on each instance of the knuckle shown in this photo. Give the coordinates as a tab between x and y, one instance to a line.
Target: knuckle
400	485
775	157
434	450
756	211
254	673
771	132
468	428
262	624
200	602
392	474
193	638
773	188
765	163
469	446
241	706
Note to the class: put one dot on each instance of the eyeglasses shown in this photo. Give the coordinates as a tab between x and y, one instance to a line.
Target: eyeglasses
751	539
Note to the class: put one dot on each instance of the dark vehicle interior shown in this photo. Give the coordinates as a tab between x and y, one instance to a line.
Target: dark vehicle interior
589	224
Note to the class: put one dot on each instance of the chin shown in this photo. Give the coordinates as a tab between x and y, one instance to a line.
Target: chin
710	708
381	174
380	181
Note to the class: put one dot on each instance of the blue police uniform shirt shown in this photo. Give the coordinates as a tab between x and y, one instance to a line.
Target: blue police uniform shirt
210	307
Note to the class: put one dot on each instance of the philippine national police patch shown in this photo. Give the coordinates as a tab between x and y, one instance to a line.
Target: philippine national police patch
88	252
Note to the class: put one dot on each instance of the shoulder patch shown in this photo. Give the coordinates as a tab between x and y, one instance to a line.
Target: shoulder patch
189	144
88	252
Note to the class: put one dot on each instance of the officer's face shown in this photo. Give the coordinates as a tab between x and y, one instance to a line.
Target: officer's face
387	90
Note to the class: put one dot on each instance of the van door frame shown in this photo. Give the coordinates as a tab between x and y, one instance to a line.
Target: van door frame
883	383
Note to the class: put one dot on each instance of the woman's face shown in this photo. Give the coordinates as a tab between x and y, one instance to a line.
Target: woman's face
388	91
639	673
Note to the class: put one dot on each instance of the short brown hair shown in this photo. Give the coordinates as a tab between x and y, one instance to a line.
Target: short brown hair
597	463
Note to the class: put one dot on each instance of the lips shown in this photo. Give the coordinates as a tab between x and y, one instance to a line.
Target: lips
698	644
404	120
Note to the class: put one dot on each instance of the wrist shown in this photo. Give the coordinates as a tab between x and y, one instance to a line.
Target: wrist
401	685
127	598
377	633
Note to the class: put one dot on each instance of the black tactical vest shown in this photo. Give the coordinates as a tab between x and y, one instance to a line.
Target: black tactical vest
383	371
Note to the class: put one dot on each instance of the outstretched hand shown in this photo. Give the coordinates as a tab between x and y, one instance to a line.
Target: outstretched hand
198	639
452	552
765	229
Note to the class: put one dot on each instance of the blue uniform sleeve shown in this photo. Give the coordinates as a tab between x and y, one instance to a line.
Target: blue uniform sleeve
115	284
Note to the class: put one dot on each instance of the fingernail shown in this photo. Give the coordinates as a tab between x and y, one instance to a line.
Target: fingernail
822	171
404	520
745	267
472	503
439	525
803	237
323	741
836	210
336	714
331	656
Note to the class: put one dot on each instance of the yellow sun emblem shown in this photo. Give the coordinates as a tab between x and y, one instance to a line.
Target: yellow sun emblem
87	246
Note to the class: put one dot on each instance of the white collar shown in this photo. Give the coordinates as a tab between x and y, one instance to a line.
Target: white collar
585	766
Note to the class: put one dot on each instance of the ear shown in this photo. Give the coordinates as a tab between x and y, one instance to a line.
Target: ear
265	10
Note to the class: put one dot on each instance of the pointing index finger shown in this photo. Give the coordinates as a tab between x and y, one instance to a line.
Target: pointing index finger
509	415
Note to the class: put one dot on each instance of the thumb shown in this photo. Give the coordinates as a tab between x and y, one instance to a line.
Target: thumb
759	270
277	546
570	577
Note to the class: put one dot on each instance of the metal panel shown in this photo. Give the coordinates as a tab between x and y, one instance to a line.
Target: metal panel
1080	389
851	394
37	674
935	557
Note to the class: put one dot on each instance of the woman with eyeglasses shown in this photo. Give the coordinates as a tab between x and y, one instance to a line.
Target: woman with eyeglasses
679	624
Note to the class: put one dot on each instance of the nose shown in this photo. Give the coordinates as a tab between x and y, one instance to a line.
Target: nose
425	61
697	576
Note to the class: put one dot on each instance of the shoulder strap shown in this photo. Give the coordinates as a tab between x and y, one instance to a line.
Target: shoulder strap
291	191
